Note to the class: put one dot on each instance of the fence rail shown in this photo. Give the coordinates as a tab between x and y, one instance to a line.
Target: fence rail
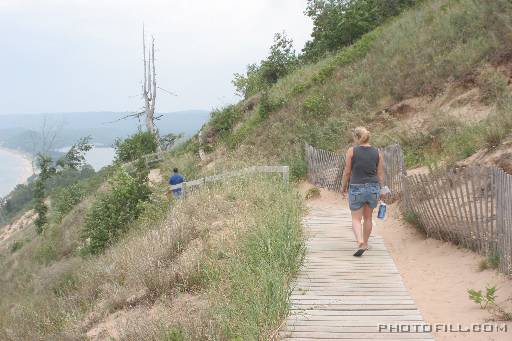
457	205
283	170
325	169
469	206
503	183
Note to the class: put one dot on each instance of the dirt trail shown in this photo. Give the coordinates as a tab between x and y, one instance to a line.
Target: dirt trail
437	274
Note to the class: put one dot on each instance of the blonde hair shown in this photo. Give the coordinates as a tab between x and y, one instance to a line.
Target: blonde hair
361	135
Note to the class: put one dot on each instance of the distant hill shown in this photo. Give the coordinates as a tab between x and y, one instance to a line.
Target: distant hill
20	131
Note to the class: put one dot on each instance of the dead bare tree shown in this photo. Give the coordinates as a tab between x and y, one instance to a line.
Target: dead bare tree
149	86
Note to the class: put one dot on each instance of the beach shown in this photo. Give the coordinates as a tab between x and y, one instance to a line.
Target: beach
15	168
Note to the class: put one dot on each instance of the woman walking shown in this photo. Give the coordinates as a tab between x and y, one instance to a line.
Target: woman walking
363	177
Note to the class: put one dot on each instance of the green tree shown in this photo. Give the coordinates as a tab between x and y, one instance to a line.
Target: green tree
280	61
74	159
46	170
339	23
135	146
112	213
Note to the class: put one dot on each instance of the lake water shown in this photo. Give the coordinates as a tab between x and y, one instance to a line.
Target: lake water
98	157
14	169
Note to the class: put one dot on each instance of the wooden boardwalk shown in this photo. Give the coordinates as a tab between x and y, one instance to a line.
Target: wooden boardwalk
340	297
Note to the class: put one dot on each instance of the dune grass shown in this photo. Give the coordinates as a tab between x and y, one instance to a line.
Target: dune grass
227	252
416	54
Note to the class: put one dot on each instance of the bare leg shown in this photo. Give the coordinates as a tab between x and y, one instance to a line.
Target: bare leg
356	226
367	225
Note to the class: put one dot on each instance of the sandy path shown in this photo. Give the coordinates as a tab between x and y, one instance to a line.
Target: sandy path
437	274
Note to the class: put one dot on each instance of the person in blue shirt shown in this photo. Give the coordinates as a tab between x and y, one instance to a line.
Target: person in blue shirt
176	182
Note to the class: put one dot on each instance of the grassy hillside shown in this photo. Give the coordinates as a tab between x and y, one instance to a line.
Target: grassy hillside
438	48
218	264
215	265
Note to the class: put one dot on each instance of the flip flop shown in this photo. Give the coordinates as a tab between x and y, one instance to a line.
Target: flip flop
359	252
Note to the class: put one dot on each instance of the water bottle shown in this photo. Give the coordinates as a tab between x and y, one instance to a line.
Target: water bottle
382	211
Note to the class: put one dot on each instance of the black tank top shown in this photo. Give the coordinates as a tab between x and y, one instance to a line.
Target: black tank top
365	160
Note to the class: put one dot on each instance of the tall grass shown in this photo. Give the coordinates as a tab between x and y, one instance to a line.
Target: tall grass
254	277
225	254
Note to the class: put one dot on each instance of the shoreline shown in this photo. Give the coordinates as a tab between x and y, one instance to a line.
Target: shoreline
25	162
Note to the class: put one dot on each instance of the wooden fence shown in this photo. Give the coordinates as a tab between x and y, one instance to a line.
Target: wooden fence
325	169
469	206
503	183
394	170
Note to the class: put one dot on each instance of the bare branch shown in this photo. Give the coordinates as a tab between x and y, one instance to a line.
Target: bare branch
170	93
131	115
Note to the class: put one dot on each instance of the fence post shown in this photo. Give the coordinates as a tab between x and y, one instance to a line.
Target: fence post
286	174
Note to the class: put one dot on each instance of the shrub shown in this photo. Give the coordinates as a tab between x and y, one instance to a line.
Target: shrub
493	85
300	88
315	105
17	200
313	193
223	120
412	218
358	50
324	73
483	300
112	212
491	262
16	245
494	261
264	106
462	142
174	335
66	198
488	301
135	146
298	166
46	251
64	284
494	135
415	146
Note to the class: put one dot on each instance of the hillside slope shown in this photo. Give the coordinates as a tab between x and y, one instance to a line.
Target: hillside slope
437	79
217	265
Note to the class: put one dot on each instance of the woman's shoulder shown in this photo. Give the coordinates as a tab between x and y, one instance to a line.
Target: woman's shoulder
350	150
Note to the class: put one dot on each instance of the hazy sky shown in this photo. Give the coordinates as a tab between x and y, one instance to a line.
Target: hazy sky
86	55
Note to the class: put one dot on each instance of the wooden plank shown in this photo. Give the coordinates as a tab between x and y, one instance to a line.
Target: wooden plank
337	296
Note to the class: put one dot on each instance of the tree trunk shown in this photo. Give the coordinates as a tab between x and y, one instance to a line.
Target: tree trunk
149	86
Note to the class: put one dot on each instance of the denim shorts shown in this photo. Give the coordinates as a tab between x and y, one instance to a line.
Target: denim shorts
360	194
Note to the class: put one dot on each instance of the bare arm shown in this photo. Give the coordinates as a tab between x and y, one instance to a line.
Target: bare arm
348	170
